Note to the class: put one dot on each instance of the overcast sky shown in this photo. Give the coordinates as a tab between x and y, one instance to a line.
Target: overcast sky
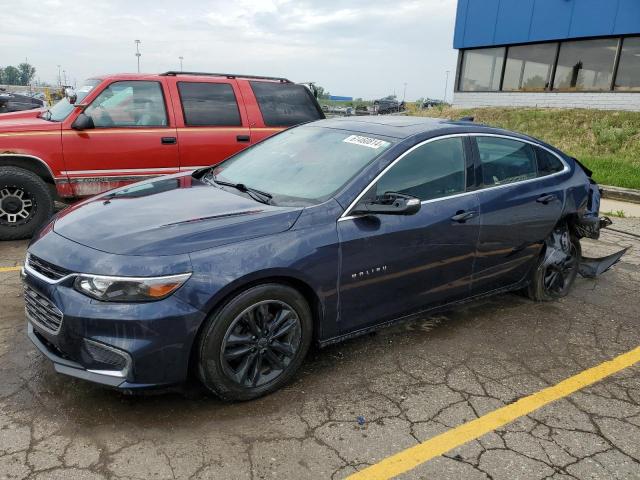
359	48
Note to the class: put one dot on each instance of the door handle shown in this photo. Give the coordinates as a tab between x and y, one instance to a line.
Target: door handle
461	216
545	199
243	138
168	140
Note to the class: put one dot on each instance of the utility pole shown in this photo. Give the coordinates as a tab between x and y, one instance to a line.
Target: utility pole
64	76
446	85
404	93
181	58
138	54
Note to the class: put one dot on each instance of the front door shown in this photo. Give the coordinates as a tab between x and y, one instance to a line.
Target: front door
393	265
520	202
212	122
133	139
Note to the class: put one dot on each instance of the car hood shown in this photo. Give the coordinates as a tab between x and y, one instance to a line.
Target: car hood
169	216
28	120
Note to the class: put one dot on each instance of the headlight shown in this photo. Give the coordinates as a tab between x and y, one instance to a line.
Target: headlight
129	289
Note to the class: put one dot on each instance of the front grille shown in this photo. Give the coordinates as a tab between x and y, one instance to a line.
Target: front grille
41	311
47	269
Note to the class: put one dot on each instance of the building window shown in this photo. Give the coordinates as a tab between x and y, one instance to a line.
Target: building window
586	65
481	69
628	76
529	67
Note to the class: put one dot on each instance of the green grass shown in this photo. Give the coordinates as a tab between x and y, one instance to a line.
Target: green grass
608	142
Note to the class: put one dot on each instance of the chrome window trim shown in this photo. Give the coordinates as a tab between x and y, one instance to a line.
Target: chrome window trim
347	213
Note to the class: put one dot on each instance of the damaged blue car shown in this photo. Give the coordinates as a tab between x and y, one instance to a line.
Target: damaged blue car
320	233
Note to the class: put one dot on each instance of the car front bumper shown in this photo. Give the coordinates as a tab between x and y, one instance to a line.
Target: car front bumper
126	346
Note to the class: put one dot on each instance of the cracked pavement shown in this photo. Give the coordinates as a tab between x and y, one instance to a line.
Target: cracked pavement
409	383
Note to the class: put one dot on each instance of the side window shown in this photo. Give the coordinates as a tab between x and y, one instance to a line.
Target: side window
433	170
548	163
129	104
209	104
285	104
505	161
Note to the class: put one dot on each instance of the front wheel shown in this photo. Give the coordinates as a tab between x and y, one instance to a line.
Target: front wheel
558	267
255	343
26	203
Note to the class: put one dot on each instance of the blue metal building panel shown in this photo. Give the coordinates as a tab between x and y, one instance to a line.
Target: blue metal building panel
628	17
514	21
590	18
481	23
551	20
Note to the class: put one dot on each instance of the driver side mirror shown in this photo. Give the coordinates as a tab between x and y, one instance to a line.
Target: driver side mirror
71	95
83	122
391	203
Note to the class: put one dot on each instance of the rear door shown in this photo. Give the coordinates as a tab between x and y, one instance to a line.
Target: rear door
134	138
520	202
276	105
212	122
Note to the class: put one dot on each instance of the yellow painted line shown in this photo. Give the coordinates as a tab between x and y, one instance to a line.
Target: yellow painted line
414	456
10	269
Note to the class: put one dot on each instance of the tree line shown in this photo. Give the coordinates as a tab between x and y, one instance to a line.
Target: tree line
20	75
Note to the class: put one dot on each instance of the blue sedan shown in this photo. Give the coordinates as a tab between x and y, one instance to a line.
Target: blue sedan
322	232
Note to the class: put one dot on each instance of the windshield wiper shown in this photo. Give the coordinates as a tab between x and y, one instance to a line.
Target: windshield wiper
258	195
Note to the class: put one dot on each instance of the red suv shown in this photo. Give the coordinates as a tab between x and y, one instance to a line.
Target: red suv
120	129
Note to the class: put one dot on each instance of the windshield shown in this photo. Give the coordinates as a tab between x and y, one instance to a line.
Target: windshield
63	108
302	166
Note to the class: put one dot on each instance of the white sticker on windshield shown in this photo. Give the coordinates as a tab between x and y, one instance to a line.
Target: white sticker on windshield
365	141
86	88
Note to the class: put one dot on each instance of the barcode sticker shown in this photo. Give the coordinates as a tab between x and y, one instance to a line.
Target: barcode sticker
365	141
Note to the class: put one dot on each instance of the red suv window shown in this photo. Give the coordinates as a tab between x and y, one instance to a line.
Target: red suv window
285	104
209	104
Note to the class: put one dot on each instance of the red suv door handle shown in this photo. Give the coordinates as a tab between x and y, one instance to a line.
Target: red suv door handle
243	138
168	140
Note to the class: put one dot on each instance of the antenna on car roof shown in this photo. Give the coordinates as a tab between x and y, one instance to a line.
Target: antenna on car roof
466	119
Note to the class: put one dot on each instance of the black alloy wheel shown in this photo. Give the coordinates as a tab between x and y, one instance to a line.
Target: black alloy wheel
554	276
260	343
558	277
255	342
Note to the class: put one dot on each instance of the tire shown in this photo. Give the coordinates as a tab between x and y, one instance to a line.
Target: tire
554	281
232	348
26	203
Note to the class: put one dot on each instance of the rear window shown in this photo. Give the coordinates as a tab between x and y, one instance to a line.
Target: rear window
548	163
505	161
209	104
285	104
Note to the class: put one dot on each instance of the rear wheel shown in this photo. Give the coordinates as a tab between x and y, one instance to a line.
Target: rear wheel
26	203
255	343
558	268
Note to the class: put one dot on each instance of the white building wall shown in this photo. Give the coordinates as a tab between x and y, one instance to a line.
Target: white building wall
601	101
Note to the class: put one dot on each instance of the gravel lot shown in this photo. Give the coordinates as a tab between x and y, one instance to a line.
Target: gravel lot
408	382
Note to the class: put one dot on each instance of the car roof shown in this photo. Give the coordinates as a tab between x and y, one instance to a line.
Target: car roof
396	126
403	126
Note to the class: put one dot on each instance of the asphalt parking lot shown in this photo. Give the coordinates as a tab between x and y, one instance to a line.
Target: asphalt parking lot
356	403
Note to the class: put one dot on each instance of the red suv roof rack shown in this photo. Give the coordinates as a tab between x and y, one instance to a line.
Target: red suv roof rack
173	73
